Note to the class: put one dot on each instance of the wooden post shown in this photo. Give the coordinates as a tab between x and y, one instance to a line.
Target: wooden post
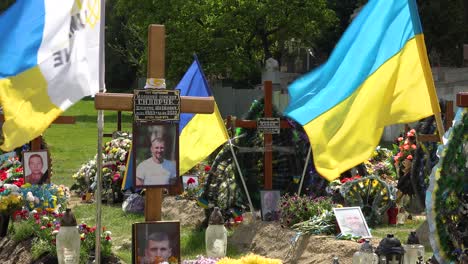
156	55
268	138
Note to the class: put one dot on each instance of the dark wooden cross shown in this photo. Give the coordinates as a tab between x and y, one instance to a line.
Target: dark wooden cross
124	102
267	138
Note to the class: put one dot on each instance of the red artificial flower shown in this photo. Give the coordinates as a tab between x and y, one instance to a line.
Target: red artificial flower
19	169
400	139
405	147
207	168
239	219
19	182
413	146
191	180
2	189
3	175
108	238
409	157
116	177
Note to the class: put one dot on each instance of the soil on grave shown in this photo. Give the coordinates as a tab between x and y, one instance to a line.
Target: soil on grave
269	239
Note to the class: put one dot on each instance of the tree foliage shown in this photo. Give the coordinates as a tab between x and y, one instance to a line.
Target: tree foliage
231	38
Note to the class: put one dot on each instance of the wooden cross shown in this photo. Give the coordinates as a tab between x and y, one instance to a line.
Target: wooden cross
267	138
37	142
124	102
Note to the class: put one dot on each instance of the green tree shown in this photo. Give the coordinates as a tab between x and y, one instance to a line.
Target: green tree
231	38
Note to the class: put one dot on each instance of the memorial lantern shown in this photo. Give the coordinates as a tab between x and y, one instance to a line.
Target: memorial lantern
366	254
391	250
216	235
414	252
68	240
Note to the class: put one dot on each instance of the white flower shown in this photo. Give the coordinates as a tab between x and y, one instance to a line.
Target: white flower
30	197
107	233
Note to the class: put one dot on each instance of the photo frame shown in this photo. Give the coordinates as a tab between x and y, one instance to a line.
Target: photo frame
36	167
269	200
156	241
155	154
189	180
352	222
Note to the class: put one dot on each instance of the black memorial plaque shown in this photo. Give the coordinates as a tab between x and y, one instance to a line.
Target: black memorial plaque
269	125
156	105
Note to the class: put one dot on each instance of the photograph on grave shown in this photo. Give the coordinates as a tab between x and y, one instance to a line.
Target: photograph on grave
190	181
352	222
270	204
36	167
156	242
155	154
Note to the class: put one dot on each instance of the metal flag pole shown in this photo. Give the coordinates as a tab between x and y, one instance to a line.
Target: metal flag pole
304	170
100	121
242	178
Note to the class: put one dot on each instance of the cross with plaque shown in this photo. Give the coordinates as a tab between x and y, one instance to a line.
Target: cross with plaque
153	105
269	126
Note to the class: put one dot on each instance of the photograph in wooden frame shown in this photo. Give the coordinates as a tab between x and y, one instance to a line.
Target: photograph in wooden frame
36	167
269	200
351	221
155	152
156	242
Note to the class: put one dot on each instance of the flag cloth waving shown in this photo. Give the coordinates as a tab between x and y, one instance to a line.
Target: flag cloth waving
49	57
377	75
200	134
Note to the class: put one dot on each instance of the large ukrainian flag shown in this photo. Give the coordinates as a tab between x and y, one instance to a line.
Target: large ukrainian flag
49	59
377	75
200	134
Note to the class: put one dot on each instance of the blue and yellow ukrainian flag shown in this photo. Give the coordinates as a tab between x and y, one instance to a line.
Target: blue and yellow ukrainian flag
377	75
200	134
49	59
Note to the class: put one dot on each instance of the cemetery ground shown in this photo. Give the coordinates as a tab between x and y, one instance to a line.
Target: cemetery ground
73	145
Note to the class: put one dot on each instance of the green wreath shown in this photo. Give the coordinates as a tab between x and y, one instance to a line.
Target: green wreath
447	196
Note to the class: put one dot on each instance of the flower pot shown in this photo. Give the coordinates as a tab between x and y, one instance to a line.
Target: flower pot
4	221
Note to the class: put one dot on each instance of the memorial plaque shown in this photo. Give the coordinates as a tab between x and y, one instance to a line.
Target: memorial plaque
156	105
268	125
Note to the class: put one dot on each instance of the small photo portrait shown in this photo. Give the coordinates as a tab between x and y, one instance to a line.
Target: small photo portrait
156	242
36	167
269	201
190	182
155	154
352	221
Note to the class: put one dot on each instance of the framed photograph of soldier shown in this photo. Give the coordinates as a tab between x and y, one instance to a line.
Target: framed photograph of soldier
269	200
352	222
155	154
36	167
156	242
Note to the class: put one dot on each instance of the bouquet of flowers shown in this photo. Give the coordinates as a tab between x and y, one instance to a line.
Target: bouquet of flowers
46	197
10	202
404	152
115	155
11	171
380	164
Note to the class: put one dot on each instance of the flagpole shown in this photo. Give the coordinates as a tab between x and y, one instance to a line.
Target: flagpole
304	170
242	179
100	121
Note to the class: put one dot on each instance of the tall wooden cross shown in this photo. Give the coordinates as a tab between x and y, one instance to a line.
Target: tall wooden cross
124	102
267	138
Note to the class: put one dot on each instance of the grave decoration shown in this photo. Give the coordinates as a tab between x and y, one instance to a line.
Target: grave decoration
115	154
223	186
447	195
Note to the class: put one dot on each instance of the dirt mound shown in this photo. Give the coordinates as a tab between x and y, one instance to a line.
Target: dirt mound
271	240
186	211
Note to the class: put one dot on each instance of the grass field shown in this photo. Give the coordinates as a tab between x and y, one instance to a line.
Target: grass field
75	144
